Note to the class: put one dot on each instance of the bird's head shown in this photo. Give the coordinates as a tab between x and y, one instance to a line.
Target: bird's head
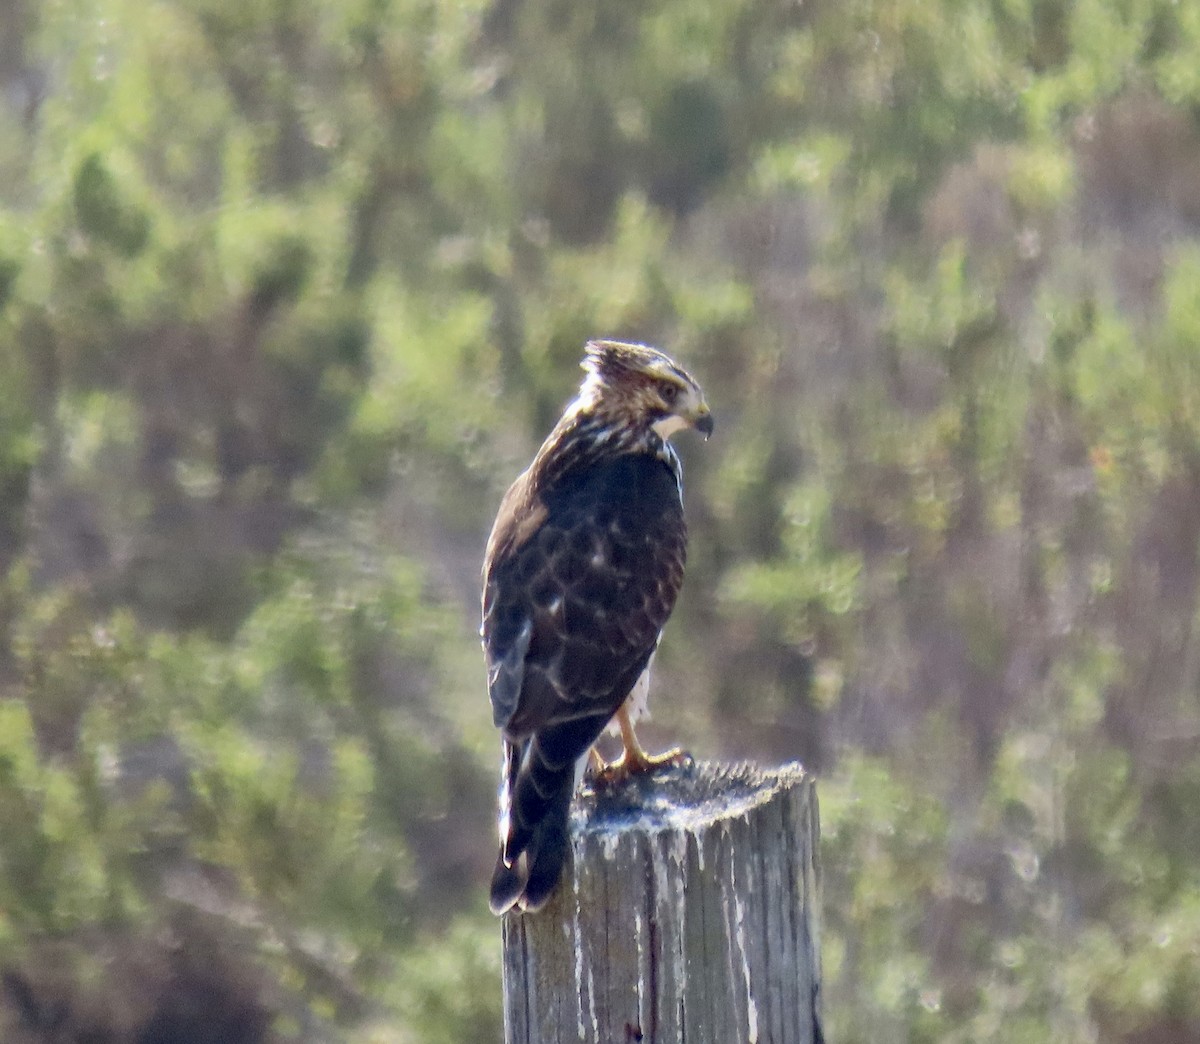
645	386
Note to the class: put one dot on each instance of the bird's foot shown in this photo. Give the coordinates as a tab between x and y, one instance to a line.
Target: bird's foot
635	763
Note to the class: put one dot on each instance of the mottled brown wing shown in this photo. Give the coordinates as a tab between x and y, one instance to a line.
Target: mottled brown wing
579	582
573	611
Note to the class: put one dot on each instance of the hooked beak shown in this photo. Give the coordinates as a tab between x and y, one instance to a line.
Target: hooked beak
703	422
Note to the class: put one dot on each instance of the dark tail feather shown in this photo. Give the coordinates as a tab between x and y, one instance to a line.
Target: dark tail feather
508	883
508	879
548	851
530	879
540	784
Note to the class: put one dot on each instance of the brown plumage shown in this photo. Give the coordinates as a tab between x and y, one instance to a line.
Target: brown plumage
582	569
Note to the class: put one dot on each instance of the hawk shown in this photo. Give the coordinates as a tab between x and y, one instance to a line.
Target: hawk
582	568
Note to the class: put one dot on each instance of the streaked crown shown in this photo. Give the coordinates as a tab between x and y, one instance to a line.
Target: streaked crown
645	385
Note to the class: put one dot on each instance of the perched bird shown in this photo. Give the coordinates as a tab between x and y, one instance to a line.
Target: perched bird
582	569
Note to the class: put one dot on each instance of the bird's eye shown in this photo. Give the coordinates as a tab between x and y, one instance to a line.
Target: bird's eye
670	392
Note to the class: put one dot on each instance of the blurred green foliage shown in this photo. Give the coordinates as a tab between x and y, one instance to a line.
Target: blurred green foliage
289	292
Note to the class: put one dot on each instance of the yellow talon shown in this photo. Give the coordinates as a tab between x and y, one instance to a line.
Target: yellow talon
634	759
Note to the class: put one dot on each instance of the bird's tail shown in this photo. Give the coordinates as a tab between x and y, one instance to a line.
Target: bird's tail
535	803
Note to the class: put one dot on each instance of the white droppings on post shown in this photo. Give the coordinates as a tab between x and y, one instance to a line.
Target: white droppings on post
608	845
592	1003
661	882
641	963
737	918
751	1007
679	847
663	851
578	939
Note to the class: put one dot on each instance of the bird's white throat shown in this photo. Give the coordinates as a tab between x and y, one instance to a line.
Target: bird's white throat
667	427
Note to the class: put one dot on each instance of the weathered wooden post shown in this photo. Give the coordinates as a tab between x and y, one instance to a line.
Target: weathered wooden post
689	915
